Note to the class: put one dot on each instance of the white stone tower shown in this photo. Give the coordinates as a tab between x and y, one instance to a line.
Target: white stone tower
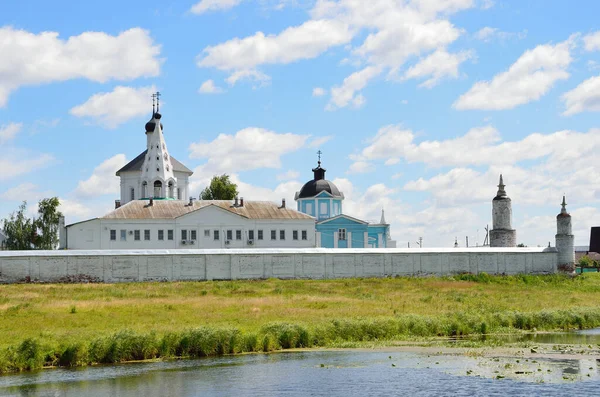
564	236
158	180
502	234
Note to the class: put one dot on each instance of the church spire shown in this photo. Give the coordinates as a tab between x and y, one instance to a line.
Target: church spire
501	191
382	221
319	173
563	210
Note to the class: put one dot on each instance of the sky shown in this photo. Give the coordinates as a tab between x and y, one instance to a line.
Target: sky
417	105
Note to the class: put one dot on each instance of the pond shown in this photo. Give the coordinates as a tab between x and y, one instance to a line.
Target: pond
330	373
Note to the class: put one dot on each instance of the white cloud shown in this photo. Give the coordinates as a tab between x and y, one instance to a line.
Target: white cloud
209	87
249	74
26	191
44	58
17	162
481	146
111	109
437	65
318	91
584	97
318	142
286	176
346	93
103	180
248	149
9	131
528	79
295	43
487	34
592	41
360	167
213	5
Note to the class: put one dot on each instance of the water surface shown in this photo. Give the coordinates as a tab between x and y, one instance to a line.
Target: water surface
329	373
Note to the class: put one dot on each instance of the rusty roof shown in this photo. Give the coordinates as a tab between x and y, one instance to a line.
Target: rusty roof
170	209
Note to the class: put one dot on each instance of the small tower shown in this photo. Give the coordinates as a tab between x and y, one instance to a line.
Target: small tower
158	180
564	236
502	234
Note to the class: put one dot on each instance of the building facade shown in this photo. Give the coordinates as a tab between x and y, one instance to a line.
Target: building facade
153	212
502	234
322	199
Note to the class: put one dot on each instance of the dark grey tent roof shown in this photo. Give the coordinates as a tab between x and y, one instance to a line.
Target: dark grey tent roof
137	163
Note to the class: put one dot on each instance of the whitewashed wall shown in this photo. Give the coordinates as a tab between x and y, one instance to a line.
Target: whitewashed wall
312	263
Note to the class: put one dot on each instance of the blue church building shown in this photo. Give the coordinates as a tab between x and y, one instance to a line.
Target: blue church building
323	200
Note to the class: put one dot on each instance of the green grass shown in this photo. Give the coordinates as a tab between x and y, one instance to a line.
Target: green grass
82	324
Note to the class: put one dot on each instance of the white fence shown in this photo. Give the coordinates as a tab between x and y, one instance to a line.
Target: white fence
311	263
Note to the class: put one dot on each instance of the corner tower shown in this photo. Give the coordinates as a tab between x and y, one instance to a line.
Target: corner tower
565	241
502	234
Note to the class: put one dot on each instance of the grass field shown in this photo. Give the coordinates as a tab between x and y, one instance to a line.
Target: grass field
48	323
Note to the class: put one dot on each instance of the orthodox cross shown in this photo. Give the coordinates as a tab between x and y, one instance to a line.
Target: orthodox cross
319	153
157	101
153	104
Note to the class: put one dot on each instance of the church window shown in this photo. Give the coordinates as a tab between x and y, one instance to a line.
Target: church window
341	234
260	234
206	233
158	189
113	235
171	188
309	209
161	234
145	188
147	234
216	235
282	234
229	235
123	235
273	234
167	168
184	234
136	235
304	235
295	235
238	234
157	146
157	158
193	235
178	193
323	208
164	147
170	234
250	234
157	169
166	157
132	194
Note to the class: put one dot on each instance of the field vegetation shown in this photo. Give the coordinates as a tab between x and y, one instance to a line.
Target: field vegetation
82	324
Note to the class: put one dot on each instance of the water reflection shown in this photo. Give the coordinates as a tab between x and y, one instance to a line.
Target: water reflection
331	373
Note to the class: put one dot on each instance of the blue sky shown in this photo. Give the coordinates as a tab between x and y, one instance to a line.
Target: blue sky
416	105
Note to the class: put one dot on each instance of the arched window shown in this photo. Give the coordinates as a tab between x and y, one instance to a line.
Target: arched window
171	189
158	189
178	193
144	189
132	194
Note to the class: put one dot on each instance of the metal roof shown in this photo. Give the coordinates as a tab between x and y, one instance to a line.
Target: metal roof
137	163
171	209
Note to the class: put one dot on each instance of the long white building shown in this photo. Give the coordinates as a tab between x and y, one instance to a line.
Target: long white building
153	212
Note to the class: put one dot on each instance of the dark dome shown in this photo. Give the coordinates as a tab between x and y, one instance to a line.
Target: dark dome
150	125
314	187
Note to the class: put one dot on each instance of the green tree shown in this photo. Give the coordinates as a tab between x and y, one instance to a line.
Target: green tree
23	233
47	224
19	230
220	188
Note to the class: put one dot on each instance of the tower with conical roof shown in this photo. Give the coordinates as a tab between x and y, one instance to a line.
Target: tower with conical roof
565	241
502	234
154	173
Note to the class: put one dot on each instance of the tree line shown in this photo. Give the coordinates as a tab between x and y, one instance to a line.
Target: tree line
41	232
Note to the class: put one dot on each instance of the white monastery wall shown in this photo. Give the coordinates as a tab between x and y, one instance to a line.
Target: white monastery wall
312	263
